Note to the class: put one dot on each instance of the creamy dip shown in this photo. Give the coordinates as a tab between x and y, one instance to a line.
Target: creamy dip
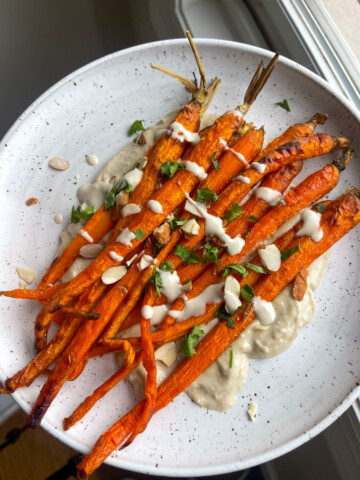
219	385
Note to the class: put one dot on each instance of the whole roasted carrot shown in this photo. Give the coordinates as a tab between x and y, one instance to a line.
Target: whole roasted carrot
335	223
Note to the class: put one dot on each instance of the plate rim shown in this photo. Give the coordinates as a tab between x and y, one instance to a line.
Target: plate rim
288	445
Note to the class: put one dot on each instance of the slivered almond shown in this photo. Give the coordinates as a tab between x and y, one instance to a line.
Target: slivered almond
31	201
252	410
122	198
91	250
191	227
22	283
113	274
300	284
59	163
26	274
162	233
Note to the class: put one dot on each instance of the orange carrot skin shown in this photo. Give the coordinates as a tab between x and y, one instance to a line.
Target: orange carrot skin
31	294
166	148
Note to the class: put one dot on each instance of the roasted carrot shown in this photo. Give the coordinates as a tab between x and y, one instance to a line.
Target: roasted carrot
31	294
336	222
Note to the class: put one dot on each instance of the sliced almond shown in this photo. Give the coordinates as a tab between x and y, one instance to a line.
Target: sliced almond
31	201
300	284
122	198
167	353
252	410
113	274
59	163
162	233
22	283
91	250
26	274
130	209
187	287
191	227
142	139
146	261
270	257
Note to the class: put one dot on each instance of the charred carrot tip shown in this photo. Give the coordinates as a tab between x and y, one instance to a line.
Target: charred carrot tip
319	118
343	159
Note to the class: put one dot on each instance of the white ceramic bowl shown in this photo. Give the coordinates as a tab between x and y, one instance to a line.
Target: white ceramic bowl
301	391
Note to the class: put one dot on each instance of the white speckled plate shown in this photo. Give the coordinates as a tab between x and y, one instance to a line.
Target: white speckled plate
301	391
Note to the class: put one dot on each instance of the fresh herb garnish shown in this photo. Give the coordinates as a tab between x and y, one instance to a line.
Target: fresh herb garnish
247	293
234	266
284	104
187	281
206	194
156	280
110	202
77	214
177	222
247	234
186	255
231	359
320	207
210	253
285	254
187	348
139	234
276	204
168	169
157	248
215	162
167	266
255	268
234	212
253	219
224	315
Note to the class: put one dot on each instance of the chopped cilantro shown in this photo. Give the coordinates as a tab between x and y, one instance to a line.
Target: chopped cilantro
156	279
224	315
253	219
247	293
168	169
255	268
320	207
110	202
234	212
139	234
167	266
206	194
137	126
285	254
247	234
176	222
187	348
231	359
77	214
215	162
187	281
210	253
186	254
157	248
234	266
284	104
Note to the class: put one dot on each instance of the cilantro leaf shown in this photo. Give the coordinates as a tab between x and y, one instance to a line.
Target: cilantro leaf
167	266
231	358
177	222
187	348
320	207
285	254
284	104
253	219
137	126
247	234
247	293
168	169
234	266
77	214
156	280
215	162
234	212
139	234
187	281
224	315
110	202
206	194
186	255
255	268
210	253
158	247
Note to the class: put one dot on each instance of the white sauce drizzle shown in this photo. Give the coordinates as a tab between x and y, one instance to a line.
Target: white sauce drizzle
129	262
194	168
311	225
260	167
270	195
147	311
115	256
92	160
171	286
59	217
85	235
125	237
197	306
232	294
213	226
264	310
242	179
133	177
238	155
130	209
155	206
179	132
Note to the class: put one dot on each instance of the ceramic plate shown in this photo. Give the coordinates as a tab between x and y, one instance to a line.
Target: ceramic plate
300	392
